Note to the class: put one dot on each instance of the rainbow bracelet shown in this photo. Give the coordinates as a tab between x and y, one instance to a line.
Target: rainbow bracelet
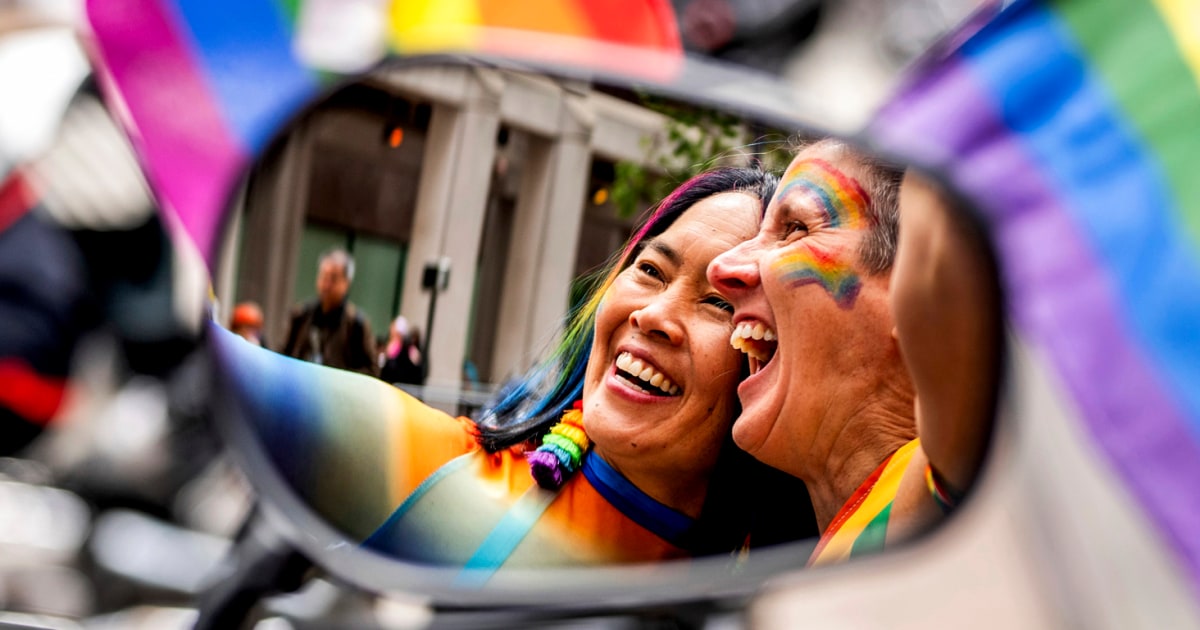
946	497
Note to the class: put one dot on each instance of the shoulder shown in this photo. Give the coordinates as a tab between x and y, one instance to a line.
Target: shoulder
358	320
301	310
353	314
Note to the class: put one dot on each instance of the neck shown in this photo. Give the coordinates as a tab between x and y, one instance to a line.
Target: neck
845	453
682	491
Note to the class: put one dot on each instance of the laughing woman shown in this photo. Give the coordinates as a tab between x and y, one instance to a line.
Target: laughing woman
615	449
872	372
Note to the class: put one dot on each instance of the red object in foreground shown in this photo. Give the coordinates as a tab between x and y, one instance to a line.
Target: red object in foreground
33	396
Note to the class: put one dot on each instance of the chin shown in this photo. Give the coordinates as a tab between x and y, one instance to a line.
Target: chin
750	431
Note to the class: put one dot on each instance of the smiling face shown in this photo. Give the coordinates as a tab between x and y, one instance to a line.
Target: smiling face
810	314
659	393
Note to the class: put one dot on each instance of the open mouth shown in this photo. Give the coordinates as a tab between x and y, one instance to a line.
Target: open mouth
757	341
643	376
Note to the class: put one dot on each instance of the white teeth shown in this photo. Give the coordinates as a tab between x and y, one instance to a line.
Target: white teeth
756	330
623	361
646	372
744	332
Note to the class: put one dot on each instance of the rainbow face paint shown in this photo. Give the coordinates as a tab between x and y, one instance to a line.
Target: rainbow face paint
839	195
840	203
817	267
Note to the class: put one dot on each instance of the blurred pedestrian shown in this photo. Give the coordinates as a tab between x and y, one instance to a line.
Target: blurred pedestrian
247	321
401	360
329	329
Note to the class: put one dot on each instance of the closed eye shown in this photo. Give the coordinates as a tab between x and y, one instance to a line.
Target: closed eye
794	227
720	303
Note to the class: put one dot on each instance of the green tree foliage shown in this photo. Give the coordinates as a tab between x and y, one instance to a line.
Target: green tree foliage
697	139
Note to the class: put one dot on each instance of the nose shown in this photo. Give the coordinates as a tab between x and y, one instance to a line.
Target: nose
734	271
660	319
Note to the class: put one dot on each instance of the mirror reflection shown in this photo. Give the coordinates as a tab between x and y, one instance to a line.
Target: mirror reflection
871	365
593	326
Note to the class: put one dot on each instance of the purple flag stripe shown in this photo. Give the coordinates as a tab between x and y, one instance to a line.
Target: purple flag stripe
1059	297
190	156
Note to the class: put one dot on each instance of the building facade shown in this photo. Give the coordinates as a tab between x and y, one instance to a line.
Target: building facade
493	175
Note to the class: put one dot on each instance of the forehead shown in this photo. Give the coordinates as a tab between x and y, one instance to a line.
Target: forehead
716	223
826	179
330	265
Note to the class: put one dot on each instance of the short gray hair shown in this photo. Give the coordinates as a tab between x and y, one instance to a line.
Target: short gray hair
341	257
878	250
882	184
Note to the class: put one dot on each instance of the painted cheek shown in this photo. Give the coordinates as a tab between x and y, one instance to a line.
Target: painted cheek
811	265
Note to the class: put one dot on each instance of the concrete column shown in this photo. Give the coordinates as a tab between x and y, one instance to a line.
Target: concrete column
273	224
227	262
541	259
459	154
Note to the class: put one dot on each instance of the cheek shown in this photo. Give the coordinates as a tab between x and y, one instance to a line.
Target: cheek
608	316
720	364
593	372
827	268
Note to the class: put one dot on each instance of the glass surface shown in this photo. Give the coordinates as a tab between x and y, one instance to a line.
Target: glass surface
482	207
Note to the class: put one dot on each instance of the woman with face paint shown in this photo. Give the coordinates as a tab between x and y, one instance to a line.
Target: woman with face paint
616	448
829	398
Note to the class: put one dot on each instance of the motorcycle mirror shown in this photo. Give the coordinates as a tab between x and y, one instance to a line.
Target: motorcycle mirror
1043	132
466	192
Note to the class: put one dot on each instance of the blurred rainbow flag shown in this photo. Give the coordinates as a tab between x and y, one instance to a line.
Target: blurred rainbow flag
1074	126
203	84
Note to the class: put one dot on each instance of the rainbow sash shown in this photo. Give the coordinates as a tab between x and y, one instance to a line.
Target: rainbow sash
861	525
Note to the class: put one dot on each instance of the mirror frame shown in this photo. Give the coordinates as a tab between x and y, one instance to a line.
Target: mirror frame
1024	439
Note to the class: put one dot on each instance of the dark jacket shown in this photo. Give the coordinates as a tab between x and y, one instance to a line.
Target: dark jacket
401	369
340	338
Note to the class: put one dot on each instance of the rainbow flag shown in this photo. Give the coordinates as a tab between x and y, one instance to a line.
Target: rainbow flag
1074	127
202	85
351	446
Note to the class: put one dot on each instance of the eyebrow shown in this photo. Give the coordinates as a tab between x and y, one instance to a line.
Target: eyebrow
666	250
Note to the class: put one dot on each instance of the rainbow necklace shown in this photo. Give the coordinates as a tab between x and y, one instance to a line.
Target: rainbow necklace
562	450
